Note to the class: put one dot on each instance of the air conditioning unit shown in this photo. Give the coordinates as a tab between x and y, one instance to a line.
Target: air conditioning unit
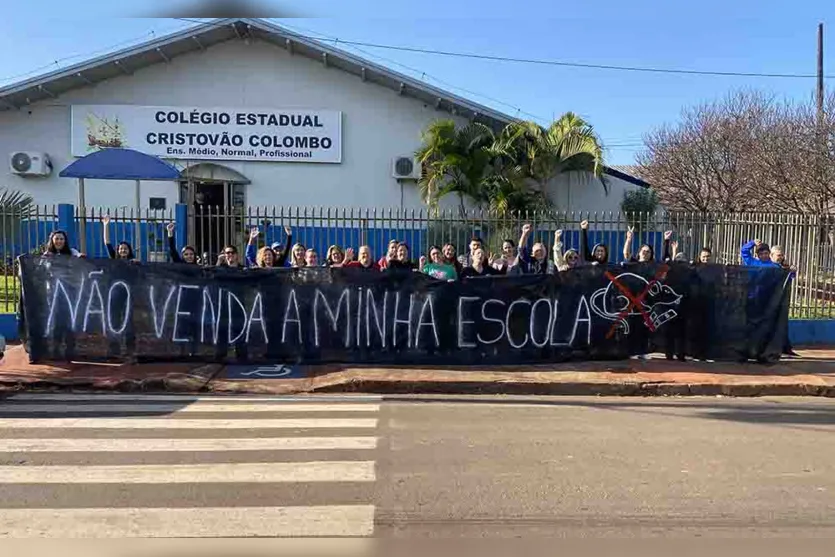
405	168
27	163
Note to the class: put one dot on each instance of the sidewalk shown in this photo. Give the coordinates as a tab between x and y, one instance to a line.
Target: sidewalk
813	374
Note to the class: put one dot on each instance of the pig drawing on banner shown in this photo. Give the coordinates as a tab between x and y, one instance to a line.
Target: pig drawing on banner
628	294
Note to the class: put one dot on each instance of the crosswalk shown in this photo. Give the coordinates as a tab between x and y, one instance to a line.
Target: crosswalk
177	466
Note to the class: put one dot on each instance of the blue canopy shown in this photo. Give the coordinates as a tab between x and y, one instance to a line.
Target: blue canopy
120	164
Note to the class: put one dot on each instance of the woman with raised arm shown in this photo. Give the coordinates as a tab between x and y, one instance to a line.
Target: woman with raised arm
283	253
122	251
599	254
667	252
187	255
645	252
569	260
391	254
251	253
534	262
364	260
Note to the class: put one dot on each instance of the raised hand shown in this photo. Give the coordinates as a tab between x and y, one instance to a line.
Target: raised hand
288	230
668	234
584	224
491	259
526	229
674	246
254	233
557	235
758	243
105	220
422	260
349	254
630	232
170	228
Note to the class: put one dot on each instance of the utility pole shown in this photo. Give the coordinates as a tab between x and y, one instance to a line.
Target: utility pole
820	72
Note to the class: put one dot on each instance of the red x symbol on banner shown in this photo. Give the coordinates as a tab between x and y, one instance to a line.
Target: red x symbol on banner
635	301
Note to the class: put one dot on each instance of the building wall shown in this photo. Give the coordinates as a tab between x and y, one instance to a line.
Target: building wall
378	125
573	191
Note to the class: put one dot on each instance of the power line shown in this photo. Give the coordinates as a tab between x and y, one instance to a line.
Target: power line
579	64
558	63
422	73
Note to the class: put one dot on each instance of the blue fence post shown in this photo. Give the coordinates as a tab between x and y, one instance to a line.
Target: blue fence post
66	222
181	225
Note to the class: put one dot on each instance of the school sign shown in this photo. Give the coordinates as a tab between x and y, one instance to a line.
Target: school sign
198	133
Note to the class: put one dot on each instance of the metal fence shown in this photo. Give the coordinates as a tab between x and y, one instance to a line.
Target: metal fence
805	238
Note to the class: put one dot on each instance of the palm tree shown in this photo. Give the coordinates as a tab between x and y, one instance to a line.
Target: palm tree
456	161
15	207
568	144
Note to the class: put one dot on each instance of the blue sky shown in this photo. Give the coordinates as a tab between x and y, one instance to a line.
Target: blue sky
733	35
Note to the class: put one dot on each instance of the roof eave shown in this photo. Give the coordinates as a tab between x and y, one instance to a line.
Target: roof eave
626	177
111	65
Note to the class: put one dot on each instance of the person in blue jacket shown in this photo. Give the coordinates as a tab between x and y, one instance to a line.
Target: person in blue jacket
755	253
763	254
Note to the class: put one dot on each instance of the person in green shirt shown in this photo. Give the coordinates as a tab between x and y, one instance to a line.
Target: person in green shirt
436	267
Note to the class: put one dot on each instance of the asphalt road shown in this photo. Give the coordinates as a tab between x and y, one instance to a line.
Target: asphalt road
409	468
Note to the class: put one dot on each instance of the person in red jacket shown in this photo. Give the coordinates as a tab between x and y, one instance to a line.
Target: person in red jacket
391	254
363	261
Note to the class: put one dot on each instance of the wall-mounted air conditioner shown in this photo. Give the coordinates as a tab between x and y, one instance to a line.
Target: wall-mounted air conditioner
405	168
28	163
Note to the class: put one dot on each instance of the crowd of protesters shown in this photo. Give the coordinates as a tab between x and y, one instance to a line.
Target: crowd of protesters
440	262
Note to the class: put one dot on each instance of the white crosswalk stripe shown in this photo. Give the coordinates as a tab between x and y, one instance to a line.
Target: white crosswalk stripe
185	445
180	409
181	523
110	397
167	423
323	449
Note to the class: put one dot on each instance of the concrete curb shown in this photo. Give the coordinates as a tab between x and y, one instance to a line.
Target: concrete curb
578	389
812	375
192	382
565	388
198	385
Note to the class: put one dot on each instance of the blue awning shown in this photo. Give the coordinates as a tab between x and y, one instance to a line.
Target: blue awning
120	164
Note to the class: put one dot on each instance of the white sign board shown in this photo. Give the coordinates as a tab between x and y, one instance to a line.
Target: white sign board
192	133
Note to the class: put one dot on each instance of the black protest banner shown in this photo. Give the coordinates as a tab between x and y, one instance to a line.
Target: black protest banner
112	310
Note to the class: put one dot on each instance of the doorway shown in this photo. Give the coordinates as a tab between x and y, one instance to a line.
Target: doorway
210	213
215	198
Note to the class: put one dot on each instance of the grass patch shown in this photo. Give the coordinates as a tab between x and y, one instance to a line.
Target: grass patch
824	311
9	294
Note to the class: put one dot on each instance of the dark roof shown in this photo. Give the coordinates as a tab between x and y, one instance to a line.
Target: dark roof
627	174
199	37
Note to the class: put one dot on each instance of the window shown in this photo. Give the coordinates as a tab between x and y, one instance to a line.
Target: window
157	204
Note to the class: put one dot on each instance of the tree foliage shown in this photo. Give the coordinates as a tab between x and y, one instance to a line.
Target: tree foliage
505	172
638	205
745	152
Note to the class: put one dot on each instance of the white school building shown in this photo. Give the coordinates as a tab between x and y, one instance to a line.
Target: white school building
252	114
